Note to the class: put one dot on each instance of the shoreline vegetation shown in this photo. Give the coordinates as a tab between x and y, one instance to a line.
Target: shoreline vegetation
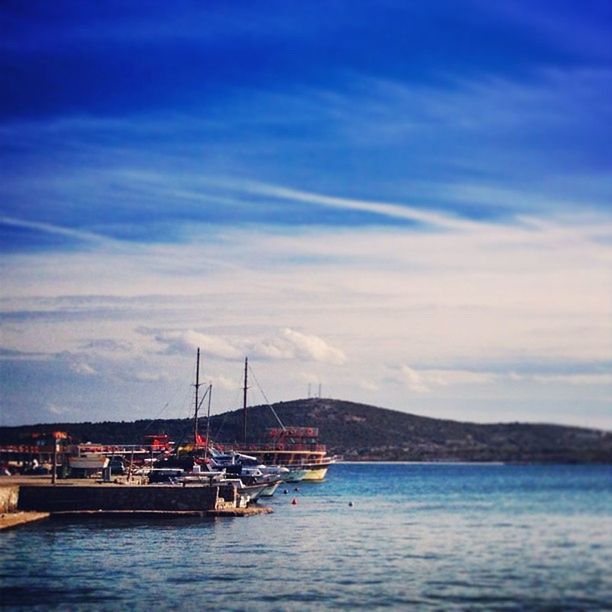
359	432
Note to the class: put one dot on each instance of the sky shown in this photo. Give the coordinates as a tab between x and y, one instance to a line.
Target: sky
406	203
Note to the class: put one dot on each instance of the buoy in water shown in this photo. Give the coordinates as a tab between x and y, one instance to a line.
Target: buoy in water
350	504
296	489
285	491
294	502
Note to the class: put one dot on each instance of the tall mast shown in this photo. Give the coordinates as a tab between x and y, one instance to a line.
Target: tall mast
197	389
208	422
244	401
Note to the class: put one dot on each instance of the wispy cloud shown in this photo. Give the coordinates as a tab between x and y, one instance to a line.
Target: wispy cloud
426	153
49	228
393	210
427	380
423	381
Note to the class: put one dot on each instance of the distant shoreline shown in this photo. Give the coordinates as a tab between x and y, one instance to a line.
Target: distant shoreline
363	433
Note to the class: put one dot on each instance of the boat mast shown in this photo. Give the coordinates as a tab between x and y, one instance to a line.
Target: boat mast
197	389
208	422
244	401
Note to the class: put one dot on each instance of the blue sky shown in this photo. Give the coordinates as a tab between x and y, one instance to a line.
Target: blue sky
408	202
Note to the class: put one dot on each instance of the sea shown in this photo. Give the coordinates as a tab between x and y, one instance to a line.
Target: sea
371	536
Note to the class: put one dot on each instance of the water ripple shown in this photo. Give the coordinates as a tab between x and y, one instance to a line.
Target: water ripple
431	537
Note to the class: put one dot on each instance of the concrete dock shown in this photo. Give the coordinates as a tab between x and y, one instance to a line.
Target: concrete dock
15	519
25	499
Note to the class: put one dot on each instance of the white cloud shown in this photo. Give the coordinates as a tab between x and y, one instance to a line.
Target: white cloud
286	344
292	344
82	368
107	346
413	380
58	409
572	379
219	381
368	385
188	341
426	380
146	377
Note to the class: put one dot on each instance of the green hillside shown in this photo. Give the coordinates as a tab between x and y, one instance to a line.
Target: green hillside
361	432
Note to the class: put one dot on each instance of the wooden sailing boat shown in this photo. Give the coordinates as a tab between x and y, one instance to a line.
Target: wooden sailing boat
296	448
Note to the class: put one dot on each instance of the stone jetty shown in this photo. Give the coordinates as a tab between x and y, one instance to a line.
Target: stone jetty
23	500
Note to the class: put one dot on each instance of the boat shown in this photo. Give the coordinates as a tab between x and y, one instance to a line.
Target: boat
198	464
178	477
287	475
294	448
248	469
88	461
164	475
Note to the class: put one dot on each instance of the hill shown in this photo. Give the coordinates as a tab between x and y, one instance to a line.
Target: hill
362	432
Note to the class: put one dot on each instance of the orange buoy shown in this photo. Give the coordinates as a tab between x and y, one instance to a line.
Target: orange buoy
294	502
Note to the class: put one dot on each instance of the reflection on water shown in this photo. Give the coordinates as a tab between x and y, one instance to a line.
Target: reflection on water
438	536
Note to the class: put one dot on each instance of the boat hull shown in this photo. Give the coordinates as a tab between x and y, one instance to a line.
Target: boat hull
294	475
89	462
269	491
251	492
316	474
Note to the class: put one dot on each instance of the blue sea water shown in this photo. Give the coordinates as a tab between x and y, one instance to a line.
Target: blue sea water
419	536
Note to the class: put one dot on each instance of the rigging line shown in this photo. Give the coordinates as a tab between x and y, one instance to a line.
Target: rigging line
267	400
209	388
146	430
218	432
234	401
209	393
148	427
185	431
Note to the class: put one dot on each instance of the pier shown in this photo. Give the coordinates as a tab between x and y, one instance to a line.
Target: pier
27	499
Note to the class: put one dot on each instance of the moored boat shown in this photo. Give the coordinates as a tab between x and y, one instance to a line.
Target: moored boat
88	461
295	448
